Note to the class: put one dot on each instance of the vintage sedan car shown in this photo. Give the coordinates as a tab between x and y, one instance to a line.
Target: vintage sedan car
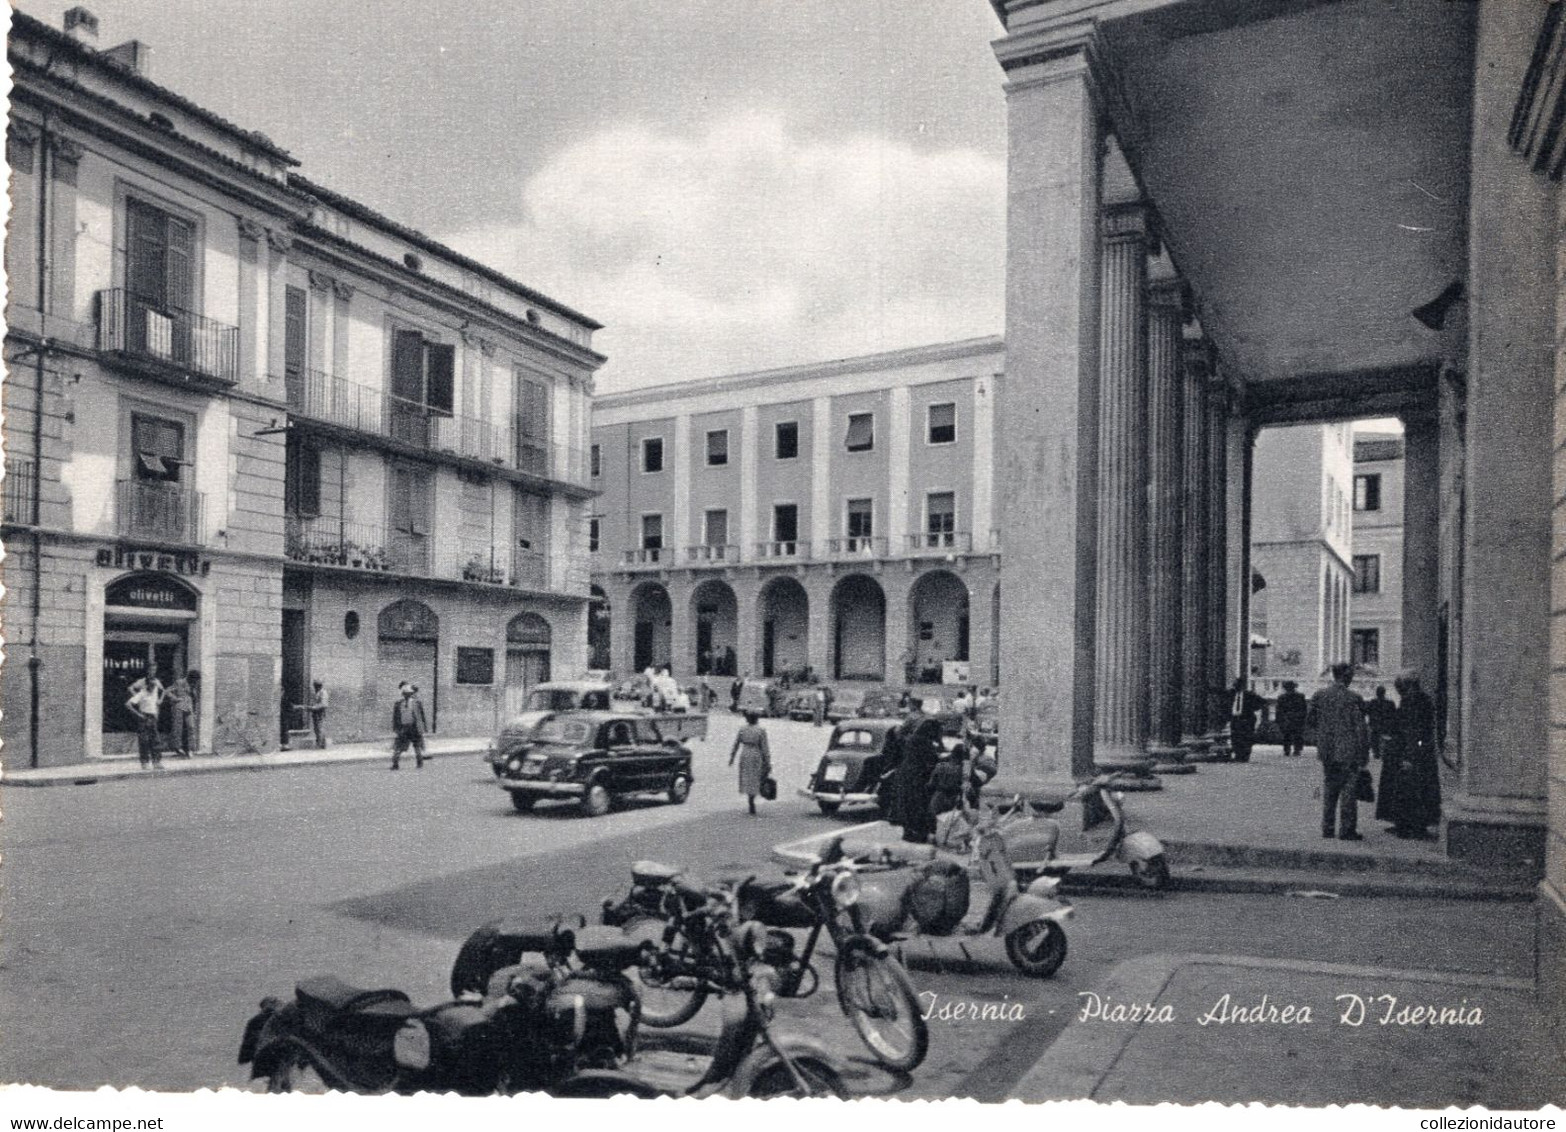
760	696
856	767
844	704
597	757
882	703
543	701
802	704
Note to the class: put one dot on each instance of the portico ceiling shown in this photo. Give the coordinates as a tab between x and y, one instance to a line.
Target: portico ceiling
1309	163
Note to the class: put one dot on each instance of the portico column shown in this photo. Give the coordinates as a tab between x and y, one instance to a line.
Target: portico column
818	642
1215	662
1166	490
1421	546
1049	408
1121	656
1194	541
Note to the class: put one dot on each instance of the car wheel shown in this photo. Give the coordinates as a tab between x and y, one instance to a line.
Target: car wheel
522	802
679	789
597	800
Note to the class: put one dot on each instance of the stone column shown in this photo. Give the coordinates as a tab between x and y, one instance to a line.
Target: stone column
818	644
1240	442
1121	655
1196	365
1049	408
682	625
1421	546
1215	665
1166	491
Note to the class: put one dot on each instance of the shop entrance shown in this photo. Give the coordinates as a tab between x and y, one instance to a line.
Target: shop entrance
527	658
407	648
146	634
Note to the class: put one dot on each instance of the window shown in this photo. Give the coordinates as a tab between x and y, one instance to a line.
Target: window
160	252
423	373
592	535
295	343
717	527
1367	492
1367	573
652	454
158	446
412	490
940	524
861	523
1365	647
475	666
787	446
301	478
652	532
785	523
717	448
943	423
597	461
861	432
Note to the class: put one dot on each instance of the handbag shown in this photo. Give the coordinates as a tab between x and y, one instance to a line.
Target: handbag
1364	786
769	788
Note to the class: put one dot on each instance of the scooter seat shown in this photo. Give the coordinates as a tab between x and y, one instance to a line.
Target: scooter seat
326	998
608	949
653	872
520	936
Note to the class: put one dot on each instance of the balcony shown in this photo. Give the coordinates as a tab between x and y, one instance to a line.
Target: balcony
324	541
941	542
19	487
857	546
166	342
716	554
646	558
165	512
782	550
320	397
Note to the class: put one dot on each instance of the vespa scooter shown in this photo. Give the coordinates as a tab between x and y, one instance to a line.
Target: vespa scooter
1034	839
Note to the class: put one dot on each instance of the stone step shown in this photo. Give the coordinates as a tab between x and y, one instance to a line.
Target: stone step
1329	860
1108	880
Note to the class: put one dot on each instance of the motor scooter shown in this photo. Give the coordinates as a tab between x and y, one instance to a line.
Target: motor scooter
1034	839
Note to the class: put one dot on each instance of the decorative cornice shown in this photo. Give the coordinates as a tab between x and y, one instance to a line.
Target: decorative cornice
65	149
319	281
280	241
342	290
24	133
251	229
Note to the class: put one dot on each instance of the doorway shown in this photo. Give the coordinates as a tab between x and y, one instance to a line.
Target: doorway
130	655
296	672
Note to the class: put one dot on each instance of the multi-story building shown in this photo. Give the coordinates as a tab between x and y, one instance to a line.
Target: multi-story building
1376	632
1302	532
258	432
837	517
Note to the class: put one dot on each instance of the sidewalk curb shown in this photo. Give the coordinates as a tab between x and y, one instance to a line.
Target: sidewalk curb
86	774
1282	881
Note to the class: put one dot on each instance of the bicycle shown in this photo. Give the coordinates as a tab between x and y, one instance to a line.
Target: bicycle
236	732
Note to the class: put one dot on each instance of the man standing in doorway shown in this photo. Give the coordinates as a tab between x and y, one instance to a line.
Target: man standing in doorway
408	725
1343	746
182	714
146	697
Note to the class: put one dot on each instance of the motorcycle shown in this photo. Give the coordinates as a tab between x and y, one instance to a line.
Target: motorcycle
1034	839
873	989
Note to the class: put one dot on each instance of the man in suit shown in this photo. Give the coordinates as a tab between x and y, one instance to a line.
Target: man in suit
408	725
1343	746
1291	710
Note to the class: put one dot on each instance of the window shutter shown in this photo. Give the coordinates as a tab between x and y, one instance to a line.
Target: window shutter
145	273
535	410
310	480
179	264
861	432
294	315
419	503
400	503
440	396
408	365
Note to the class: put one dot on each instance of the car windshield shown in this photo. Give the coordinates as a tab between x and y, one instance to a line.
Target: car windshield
857	739
551	699
576	732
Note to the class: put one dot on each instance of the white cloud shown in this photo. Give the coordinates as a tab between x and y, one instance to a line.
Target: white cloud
748	247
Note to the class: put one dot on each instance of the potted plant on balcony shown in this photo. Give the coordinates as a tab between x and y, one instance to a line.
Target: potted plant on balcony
474	570
375	558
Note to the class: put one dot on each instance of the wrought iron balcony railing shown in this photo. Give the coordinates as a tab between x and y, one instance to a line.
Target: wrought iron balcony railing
857	546
19	492
785	549
325	541
713	554
941	542
153	509
167	338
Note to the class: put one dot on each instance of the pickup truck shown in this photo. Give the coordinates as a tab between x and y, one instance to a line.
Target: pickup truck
597	757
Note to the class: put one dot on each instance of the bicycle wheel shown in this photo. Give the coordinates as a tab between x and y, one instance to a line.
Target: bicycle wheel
670	997
878	997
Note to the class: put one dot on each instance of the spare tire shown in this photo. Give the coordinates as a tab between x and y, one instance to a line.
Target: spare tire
938	900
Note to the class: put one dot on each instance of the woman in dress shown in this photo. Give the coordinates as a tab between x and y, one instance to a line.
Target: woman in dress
755	758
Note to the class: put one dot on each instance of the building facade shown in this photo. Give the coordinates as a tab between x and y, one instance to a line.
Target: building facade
1376	633
837	517
256	432
1301	534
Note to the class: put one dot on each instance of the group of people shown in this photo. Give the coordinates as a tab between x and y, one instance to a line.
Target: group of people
663	692
147	699
1349	733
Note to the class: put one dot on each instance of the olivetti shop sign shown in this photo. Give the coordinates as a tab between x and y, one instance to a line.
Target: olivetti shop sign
129	558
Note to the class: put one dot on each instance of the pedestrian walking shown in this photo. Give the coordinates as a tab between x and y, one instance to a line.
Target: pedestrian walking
182	716
1381	716
734	692
1291	710
1409	795
1243	706
319	702
755	758
818	705
146	699
1343	746
911	803
408	725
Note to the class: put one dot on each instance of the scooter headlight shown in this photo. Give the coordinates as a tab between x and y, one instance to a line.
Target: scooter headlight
411	1046
845	889
1044	886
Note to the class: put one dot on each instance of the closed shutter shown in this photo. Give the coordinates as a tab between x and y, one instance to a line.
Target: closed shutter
408	365
398	504
179	266
294	315
145	270
158	446
535	410
442	378
419	501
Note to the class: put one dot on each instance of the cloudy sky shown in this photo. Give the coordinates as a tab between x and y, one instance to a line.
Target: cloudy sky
726	186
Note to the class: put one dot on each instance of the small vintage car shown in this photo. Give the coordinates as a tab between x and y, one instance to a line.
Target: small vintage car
597	757
844	704
802	704
882	703
760	696
544	700
856	767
